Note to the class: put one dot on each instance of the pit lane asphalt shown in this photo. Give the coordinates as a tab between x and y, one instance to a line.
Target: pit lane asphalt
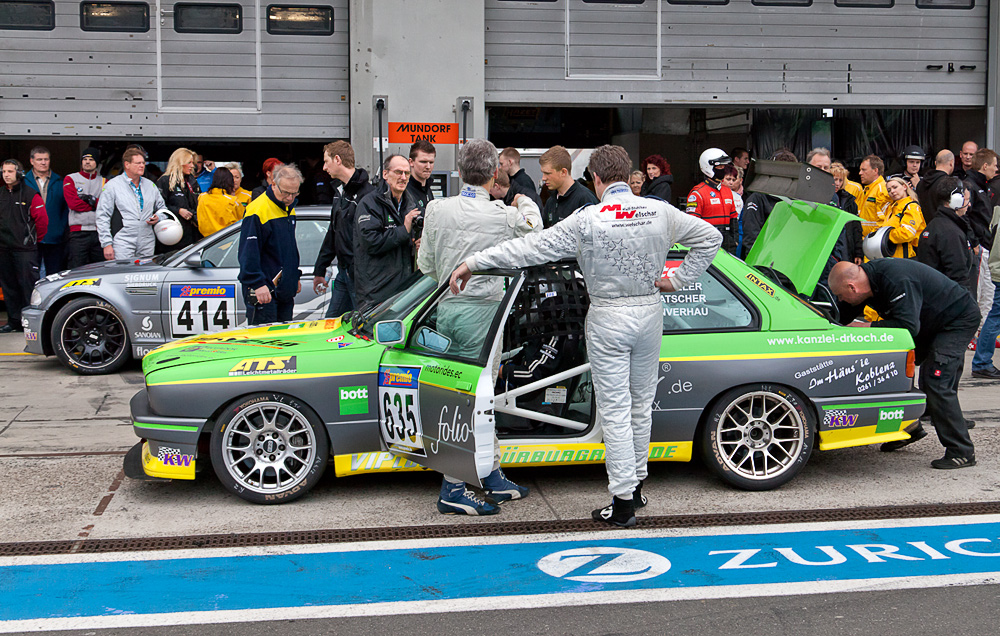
63	437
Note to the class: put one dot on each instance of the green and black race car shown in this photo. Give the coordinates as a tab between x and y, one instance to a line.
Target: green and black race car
752	374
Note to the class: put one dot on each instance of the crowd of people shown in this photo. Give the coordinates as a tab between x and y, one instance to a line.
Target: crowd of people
920	239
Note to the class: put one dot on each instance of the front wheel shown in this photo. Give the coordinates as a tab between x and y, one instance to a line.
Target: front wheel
89	336
758	437
269	448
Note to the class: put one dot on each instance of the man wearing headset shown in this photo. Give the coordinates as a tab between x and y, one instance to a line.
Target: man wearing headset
23	224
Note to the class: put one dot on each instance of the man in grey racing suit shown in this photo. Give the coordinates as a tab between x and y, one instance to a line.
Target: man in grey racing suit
621	245
455	228
128	209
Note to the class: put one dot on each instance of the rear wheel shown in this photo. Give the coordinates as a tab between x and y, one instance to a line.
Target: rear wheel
89	336
758	437
269	448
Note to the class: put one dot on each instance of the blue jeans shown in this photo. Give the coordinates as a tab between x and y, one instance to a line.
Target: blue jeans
987	342
341	295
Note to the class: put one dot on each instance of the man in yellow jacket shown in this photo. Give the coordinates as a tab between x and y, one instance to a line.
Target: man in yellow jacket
874	199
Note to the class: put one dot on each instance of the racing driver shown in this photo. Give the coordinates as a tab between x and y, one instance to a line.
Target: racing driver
621	244
454	228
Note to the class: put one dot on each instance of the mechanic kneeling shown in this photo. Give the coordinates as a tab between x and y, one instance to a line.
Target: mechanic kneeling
455	228
942	318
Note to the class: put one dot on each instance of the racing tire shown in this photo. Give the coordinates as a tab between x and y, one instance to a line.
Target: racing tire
89	336
758	437
269	448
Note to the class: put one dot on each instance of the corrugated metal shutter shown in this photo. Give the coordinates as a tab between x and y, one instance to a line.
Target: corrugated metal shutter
738	54
96	84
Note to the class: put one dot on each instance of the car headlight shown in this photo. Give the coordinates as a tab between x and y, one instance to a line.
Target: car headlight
36	298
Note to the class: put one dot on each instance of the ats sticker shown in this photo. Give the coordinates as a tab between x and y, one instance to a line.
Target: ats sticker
353	400
30	335
264	366
83	282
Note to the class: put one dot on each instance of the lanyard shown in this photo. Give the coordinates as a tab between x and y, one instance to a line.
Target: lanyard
137	190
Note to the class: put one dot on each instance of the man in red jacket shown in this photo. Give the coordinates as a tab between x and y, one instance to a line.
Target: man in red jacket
23	223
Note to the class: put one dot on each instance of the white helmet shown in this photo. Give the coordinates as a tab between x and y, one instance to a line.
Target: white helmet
711	158
877	244
168	229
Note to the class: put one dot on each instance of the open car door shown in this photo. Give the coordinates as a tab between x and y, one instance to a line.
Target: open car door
436	385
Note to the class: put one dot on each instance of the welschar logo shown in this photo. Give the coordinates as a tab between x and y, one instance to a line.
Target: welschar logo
353	400
889	419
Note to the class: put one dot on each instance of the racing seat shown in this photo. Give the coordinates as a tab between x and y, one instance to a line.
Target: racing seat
544	336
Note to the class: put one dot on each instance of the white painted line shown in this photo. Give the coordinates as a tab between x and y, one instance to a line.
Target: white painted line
416	544
495	603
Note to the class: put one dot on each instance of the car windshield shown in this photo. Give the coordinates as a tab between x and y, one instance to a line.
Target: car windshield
417	288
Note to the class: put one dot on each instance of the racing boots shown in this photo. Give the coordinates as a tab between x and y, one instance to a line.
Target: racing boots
456	500
638	499
620	513
500	489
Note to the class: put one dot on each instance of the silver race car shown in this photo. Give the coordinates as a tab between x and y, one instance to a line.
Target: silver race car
95	317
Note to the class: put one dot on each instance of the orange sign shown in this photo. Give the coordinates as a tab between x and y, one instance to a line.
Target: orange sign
408	132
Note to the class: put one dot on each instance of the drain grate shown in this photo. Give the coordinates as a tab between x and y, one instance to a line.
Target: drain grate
311	537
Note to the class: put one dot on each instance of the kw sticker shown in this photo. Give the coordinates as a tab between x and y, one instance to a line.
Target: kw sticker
837	418
264	366
82	282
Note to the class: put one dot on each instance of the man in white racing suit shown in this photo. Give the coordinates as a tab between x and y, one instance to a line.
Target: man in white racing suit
455	228
621	245
128	209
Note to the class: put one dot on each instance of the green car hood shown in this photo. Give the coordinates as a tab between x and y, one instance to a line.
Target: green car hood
256	342
797	240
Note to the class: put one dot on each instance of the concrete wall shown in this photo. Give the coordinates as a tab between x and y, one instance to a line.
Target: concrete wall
422	76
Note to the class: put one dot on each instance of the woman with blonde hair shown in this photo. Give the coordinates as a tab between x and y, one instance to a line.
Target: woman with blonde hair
218	208
180	192
904	215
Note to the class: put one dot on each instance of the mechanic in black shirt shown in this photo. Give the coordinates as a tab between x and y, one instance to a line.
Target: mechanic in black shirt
568	196
947	242
505	190
510	162
418	188
338	161
942	318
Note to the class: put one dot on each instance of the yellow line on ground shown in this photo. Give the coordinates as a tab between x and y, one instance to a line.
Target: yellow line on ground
18	354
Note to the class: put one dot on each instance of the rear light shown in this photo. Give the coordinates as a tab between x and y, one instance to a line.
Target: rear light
910	363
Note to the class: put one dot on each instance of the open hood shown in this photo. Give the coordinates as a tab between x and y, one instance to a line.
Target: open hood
797	241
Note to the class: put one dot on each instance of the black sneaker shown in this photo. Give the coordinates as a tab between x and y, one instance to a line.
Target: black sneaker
953	461
992	373
915	436
638	499
621	513
970	424
8	329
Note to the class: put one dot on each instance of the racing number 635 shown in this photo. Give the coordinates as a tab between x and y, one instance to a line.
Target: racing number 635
400	426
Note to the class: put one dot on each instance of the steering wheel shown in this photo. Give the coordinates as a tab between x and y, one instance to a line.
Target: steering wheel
823	297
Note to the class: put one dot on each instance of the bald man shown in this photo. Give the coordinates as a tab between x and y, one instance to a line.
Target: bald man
965	157
941	316
944	165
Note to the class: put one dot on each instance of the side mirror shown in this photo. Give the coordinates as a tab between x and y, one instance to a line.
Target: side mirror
389	332
432	340
193	260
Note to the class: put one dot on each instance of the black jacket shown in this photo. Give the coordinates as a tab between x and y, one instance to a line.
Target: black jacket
925	193
383	251
946	245
521	177
183	195
980	208
339	241
852	236
18	229
558	207
994	188
517	188
419	195
660	187
912	296
756	209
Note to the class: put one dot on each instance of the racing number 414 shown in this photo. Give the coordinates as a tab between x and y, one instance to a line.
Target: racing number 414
220	319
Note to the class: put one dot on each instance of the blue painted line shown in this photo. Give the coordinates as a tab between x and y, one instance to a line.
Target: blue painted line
35	591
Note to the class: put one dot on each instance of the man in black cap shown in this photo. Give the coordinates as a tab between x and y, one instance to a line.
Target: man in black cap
942	318
81	191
